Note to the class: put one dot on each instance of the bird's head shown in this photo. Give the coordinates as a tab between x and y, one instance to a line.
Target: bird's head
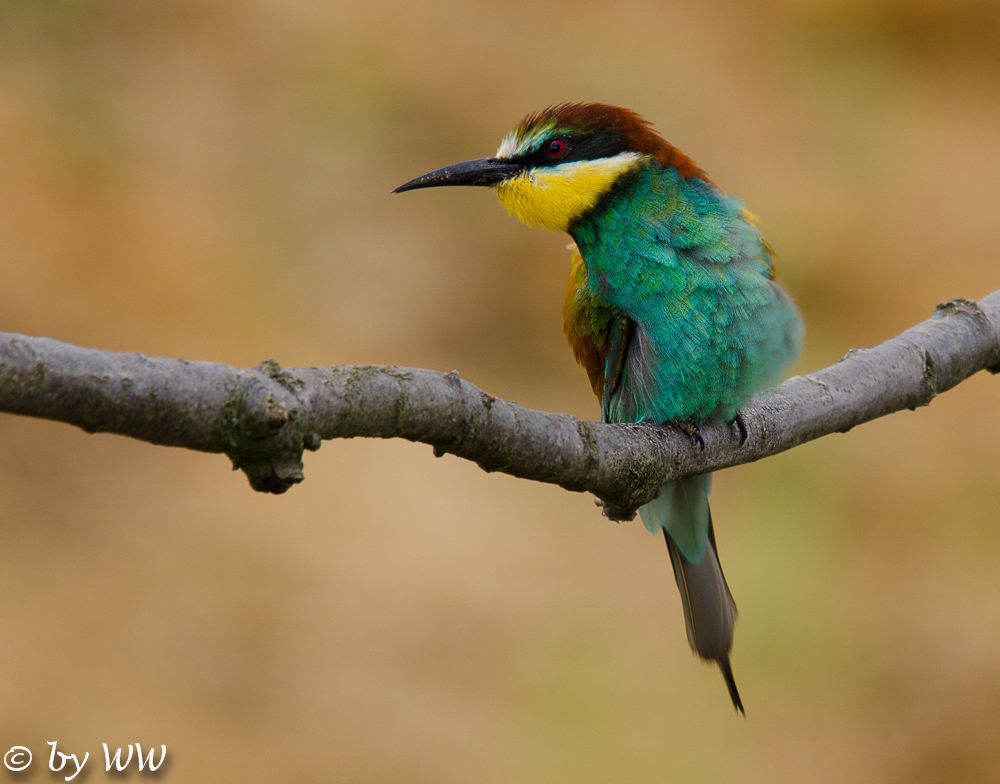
554	167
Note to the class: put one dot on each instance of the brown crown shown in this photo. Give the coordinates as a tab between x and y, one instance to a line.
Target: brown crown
601	117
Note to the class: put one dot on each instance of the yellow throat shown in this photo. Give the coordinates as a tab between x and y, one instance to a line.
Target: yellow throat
555	196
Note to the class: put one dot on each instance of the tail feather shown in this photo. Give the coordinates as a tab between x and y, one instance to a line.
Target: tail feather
681	511
734	693
709	609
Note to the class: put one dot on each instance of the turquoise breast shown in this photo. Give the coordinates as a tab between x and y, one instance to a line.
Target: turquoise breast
709	325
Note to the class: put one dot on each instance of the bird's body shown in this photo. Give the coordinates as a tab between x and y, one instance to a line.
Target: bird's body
671	307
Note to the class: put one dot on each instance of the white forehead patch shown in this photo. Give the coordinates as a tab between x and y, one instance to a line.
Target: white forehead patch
518	143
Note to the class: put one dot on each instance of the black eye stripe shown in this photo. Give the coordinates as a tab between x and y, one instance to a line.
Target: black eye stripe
578	147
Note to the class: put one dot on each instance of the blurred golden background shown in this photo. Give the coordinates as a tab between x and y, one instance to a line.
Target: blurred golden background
211	181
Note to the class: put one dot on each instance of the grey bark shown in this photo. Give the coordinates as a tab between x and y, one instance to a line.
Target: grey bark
264	417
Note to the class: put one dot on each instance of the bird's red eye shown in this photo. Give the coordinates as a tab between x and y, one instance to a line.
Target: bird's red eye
556	148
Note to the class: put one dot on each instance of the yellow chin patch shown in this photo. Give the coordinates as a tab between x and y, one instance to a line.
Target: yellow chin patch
555	196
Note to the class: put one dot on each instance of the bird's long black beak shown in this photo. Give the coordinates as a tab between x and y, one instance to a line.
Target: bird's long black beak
481	171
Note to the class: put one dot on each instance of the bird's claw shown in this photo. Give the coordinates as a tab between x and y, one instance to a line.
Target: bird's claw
741	426
690	429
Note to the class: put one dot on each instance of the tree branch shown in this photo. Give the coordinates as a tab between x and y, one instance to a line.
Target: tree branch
265	417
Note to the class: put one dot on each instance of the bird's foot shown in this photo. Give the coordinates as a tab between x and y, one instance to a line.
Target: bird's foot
741	426
690	429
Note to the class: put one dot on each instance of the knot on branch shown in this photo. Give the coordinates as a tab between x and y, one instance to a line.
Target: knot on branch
980	316
267	427
639	480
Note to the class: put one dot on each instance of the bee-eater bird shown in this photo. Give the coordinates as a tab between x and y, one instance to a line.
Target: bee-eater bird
672	306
